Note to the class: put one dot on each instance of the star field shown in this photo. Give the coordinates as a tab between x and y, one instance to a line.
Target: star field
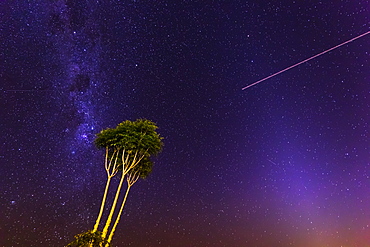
283	163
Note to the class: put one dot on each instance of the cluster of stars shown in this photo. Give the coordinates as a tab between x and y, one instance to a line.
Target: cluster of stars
284	163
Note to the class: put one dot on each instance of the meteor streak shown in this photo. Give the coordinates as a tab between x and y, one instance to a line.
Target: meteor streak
306	60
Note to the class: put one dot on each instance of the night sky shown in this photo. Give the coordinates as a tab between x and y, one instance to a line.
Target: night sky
283	163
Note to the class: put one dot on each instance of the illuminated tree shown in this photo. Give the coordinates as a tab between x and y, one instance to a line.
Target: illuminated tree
128	149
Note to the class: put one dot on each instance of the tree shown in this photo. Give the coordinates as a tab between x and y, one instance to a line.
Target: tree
128	149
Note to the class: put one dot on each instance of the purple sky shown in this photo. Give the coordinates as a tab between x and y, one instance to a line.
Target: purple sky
283	163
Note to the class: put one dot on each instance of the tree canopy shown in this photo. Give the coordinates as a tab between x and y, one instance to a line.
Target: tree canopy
132	139
139	135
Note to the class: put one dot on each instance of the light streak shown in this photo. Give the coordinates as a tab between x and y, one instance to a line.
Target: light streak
306	60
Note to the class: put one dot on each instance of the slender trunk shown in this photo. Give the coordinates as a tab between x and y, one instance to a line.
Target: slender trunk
110	174
118	216
109	220
102	205
131	180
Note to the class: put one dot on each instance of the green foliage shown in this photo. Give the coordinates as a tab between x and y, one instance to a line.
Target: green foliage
139	135
89	238
132	137
144	168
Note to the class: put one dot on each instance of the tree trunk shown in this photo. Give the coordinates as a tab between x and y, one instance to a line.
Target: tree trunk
118	216
110	174
102	205
109	220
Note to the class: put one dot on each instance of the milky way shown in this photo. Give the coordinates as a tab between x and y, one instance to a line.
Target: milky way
285	163
76	36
